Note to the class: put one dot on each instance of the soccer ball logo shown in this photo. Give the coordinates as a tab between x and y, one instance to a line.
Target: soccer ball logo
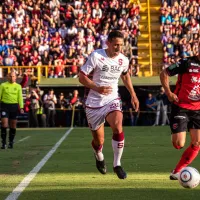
189	177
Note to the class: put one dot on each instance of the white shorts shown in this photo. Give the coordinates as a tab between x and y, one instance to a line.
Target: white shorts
96	116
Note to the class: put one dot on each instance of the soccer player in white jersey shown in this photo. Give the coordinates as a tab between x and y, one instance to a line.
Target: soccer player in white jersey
103	101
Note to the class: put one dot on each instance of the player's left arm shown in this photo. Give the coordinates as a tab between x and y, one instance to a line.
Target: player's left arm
20	99
128	84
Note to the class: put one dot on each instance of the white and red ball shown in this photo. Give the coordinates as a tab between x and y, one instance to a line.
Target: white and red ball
189	177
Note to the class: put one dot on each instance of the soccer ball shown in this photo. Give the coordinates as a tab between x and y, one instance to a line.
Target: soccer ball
189	177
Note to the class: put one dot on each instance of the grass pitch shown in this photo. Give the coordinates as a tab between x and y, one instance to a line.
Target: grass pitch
71	173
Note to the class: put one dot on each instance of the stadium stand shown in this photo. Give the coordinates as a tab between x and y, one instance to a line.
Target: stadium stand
62	34
179	26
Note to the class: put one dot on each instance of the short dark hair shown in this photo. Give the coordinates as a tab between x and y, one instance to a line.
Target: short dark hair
115	34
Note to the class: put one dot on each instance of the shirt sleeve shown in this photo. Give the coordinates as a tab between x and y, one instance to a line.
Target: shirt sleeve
90	65
126	67
179	67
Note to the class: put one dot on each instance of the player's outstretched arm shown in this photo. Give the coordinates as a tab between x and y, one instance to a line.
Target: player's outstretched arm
128	84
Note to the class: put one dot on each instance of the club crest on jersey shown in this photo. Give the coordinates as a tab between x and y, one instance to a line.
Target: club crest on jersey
175	126
105	68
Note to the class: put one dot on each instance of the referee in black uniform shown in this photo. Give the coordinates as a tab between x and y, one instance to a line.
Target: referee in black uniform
11	103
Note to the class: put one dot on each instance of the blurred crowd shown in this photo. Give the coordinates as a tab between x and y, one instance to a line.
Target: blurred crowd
47	109
180	29
62	34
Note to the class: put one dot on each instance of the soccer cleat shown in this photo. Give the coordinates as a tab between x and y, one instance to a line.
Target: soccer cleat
120	172
3	146
10	146
174	176
101	166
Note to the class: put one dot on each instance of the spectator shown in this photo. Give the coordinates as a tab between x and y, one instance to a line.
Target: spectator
162	107
133	67
35	26
150	108
61	112
50	102
33	108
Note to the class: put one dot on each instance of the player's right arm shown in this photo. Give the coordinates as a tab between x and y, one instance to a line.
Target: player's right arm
176	68
86	69
164	78
83	79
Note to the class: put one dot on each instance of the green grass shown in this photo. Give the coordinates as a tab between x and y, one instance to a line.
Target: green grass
71	173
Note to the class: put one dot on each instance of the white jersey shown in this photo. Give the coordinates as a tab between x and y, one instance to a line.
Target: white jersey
106	72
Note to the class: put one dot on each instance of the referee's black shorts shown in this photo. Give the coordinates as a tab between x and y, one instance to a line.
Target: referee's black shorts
182	119
9	110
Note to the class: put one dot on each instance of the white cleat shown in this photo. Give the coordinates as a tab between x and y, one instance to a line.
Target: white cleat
174	176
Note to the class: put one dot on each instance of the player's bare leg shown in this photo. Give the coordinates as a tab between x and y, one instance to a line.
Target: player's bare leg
115	121
178	141
191	152
4	125
97	144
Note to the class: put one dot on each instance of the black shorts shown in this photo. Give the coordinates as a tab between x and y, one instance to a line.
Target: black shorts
9	110
182	119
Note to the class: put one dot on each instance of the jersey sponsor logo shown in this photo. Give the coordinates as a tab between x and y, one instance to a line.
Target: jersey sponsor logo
194	70
108	78
195	93
105	68
195	79
120	145
194	64
115	69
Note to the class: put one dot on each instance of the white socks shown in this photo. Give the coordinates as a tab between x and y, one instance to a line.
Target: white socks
118	147
99	155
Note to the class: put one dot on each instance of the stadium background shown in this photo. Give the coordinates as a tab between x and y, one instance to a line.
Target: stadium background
50	40
71	173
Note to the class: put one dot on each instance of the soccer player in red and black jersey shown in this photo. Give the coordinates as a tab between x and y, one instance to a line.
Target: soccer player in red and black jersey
185	112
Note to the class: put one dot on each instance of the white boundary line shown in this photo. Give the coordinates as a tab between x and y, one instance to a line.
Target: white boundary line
25	138
26	181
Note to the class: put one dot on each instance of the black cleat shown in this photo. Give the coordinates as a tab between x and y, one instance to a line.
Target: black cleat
101	166
3	146
10	146
120	172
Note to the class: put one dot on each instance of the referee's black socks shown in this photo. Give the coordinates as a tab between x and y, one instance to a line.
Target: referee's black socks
3	135
12	133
